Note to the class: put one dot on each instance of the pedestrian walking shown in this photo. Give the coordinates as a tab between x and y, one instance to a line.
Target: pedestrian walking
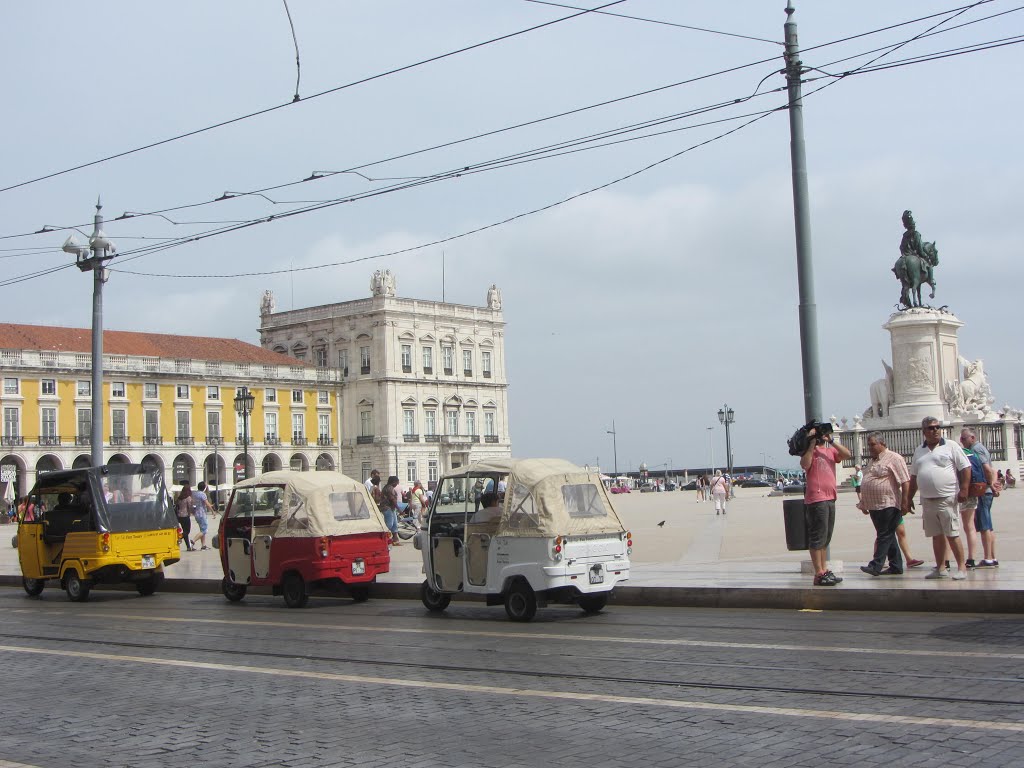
819	465
885	496
183	507
201	508
942	472
389	506
719	492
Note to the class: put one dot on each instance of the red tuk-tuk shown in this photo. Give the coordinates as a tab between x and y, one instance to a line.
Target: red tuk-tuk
295	531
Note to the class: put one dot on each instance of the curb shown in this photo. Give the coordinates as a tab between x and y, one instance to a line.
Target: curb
793	598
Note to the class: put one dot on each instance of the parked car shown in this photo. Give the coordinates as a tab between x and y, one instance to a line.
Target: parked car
672	486
648	488
620	489
756	481
690	486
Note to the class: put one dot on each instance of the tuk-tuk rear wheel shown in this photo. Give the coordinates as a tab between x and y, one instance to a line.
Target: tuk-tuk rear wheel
147	587
359	592
521	602
294	590
33	587
593	603
432	599
76	587
233	592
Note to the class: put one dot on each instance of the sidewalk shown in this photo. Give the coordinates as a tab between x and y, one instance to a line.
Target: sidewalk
738	560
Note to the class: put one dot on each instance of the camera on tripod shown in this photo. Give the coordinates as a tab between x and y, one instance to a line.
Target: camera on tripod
800	440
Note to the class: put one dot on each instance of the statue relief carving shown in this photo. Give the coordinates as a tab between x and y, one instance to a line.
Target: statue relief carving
493	297
915	365
973	394
382	283
268	305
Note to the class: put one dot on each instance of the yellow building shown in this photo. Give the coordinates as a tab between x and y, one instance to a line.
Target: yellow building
168	401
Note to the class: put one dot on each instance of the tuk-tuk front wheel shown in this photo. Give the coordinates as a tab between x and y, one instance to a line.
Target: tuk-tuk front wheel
294	590
76	587
34	587
432	599
233	592
520	601
593	603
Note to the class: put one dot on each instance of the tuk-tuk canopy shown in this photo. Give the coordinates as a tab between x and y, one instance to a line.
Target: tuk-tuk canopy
547	497
309	503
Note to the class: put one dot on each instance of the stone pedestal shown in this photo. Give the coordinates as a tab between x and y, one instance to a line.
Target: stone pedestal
924	360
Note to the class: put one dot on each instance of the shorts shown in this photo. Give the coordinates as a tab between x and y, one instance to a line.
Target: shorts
941	517
820	519
983	517
971	503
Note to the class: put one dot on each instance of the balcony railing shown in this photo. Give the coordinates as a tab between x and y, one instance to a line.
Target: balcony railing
448	371
215	441
271	440
48	440
431	438
364	439
119	440
365	369
487	374
411	438
461	439
83	440
299	440
490	438
12	440
467	371
406	369
324	440
153	440
428	369
184	440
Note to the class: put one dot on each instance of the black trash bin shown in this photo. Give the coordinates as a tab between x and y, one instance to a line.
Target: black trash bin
796	526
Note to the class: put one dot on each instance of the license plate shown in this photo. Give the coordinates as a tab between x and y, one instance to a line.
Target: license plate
358	567
596	575
149	561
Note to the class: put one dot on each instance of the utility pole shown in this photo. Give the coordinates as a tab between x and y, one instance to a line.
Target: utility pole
101	250
804	264
615	448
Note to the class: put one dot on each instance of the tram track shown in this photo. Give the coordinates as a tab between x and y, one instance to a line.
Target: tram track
540	675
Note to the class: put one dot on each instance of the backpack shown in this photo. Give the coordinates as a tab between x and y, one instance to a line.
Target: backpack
977	468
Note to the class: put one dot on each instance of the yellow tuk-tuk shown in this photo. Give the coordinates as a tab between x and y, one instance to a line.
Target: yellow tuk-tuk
108	524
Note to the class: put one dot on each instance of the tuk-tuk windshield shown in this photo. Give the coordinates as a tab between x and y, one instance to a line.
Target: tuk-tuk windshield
460	496
257	501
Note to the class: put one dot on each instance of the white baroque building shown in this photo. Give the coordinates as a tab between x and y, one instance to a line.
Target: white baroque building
424	385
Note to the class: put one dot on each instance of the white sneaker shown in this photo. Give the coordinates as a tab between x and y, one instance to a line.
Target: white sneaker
959	575
938	573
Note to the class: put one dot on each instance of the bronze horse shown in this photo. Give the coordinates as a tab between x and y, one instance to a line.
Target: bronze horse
913	271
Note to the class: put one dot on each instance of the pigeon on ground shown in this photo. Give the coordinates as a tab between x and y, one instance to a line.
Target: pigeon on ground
661	524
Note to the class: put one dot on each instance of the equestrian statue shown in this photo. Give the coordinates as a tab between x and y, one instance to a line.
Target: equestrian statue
916	264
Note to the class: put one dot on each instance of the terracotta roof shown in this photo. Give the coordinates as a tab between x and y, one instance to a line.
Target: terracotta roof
44	337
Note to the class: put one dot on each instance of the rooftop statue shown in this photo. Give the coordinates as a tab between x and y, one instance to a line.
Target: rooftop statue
916	264
383	283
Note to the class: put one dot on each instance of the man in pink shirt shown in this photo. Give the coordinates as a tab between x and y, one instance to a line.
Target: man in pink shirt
819	464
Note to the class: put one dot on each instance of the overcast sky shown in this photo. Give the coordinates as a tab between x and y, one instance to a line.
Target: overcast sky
651	302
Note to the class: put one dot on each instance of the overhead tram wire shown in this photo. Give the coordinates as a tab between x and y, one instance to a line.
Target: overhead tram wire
335	89
316	176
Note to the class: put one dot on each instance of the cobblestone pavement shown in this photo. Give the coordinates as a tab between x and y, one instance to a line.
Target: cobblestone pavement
186	680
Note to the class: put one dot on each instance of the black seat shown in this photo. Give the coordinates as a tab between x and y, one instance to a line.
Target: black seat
64	520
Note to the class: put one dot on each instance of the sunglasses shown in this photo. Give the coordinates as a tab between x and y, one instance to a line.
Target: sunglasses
932	427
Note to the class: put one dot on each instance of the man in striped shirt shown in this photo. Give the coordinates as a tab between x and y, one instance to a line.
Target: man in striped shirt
885	495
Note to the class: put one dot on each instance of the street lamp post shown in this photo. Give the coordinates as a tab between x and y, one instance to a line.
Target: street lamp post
101	250
726	416
615	448
244	403
711	447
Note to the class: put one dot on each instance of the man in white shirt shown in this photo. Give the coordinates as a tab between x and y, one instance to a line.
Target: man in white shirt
369	481
942	471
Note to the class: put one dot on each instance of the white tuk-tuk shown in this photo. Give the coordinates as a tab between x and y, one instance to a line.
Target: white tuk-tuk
524	533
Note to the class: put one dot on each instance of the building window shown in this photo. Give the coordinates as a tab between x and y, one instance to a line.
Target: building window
184	424
364	359
452	419
213	392
489	423
297	396
149	390
117	423
408	422
366	423
298	427
428	359
431	470
485	364
48	387
48	423
84	389
152	424
467	362
407	358
410	471
343	361
447	353
320	357
12	422
117	389
323	397
10	386
430	422
270	422
365	471
213	425
324	427
470	422
271	395
181	392
84	422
